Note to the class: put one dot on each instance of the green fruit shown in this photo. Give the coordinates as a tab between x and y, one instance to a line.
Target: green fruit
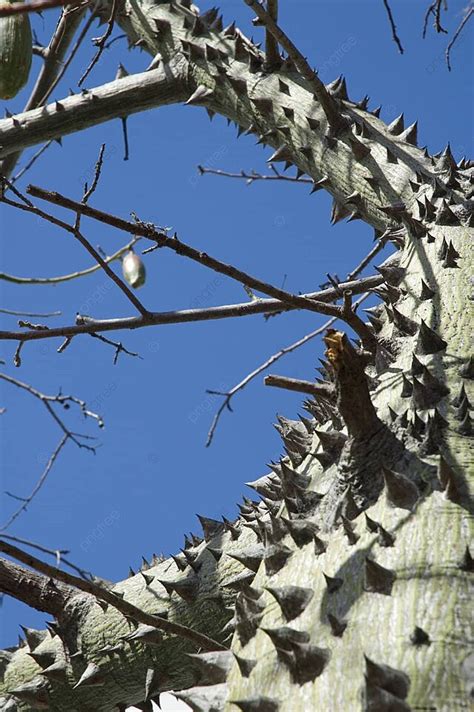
15	53
133	269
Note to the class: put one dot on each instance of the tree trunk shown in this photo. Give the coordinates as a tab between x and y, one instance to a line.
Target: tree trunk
348	586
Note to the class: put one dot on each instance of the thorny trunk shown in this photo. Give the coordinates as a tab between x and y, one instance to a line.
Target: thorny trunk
347	587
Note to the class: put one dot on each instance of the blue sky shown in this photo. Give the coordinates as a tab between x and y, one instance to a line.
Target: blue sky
139	494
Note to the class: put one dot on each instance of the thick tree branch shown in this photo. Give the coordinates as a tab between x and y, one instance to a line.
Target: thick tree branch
53	67
318	390
129	95
35	589
103	594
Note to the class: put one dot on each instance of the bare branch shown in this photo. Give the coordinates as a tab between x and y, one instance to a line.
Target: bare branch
38	485
87	325
263	367
175	244
167	84
60	399
74	230
57	553
103	594
101	41
22	313
381	242
119	347
253	176
434	9
460	28
319	390
54	81
31	161
393	27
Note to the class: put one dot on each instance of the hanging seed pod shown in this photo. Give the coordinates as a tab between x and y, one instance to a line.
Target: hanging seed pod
15	53
133	270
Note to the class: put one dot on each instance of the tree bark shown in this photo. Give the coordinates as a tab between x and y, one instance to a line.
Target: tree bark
350	584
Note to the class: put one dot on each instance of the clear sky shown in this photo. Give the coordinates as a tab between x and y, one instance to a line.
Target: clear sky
152	473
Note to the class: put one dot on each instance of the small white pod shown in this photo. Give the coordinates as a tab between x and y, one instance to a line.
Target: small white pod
133	270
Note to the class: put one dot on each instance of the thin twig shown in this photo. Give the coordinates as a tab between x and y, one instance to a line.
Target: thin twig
253	176
65	401
119	347
380	244
80	208
88	191
104	594
469	14
72	275
72	54
393	27
434	9
57	553
39	484
100	42
32	160
263	367
22	313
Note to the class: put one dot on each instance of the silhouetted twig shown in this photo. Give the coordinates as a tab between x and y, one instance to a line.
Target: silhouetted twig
460	28
393	27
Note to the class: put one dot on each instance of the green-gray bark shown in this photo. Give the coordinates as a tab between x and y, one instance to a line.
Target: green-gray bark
392	541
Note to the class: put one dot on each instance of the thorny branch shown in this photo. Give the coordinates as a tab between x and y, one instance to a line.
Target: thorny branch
327	102
101	593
